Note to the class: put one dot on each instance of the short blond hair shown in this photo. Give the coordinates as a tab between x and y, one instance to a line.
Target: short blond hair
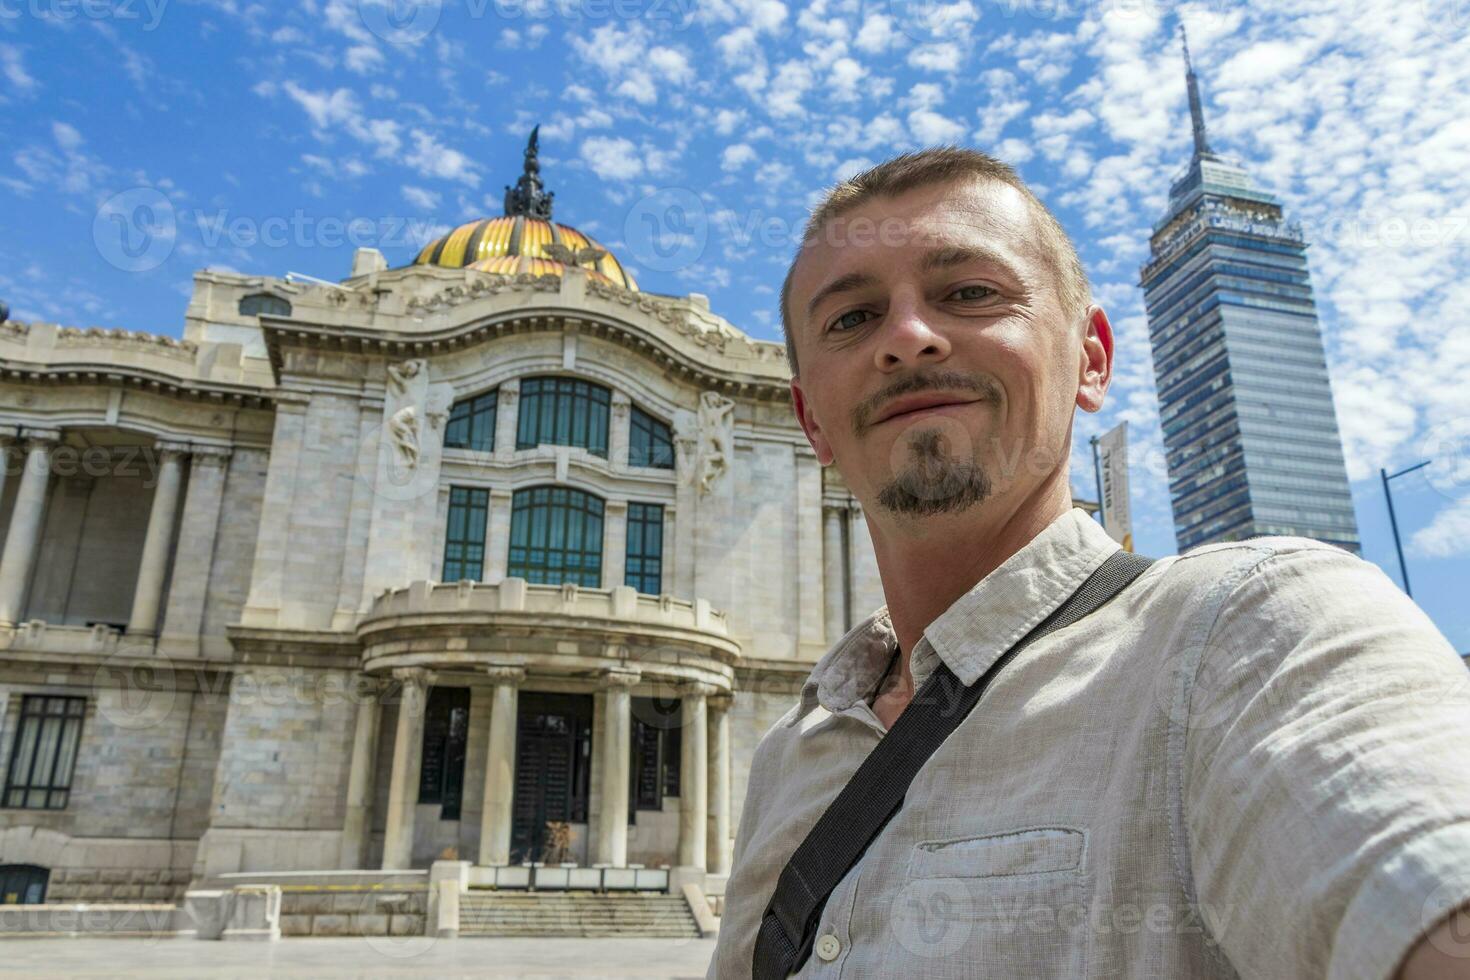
939	165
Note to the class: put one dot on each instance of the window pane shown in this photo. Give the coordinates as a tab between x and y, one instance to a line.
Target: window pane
565	529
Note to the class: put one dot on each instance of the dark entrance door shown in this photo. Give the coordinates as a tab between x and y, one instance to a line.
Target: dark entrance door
553	768
22	884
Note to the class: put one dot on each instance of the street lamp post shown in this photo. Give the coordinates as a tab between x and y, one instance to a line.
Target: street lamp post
1393	521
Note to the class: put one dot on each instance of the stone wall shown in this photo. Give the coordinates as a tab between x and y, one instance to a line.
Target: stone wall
117	885
344	910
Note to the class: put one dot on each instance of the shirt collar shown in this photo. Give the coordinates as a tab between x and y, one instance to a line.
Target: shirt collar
978	627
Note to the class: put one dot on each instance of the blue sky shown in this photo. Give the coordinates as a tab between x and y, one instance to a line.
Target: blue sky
269	138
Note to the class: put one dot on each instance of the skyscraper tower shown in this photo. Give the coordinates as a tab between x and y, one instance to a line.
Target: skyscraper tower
1249	425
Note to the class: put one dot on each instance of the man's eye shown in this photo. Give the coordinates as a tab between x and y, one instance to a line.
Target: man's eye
973	292
850	319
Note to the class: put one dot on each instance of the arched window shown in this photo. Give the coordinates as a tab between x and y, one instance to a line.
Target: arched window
257	303
650	441
556	537
23	884
563	412
472	423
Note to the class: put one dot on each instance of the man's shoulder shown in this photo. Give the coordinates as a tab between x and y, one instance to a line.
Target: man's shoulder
1209	564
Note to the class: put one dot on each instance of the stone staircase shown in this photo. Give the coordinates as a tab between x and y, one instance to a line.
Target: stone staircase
587	914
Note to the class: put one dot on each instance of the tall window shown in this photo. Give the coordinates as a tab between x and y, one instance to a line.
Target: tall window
644	568
472	423
656	748
257	303
45	752
650	441
446	728
556	536
563	412
464	538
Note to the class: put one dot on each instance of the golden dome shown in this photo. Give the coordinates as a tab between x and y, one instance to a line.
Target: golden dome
512	244
525	239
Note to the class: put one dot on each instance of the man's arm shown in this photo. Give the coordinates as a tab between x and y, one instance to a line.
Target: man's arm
1444	954
1326	800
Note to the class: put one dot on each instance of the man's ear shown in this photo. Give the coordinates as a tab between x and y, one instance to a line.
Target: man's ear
809	425
1095	362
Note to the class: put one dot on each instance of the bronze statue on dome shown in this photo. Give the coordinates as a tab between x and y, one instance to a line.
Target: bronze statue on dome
528	198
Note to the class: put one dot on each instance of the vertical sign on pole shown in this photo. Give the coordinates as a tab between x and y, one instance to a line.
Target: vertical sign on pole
1116	519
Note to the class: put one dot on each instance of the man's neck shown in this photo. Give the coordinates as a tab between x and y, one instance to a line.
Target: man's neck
925	566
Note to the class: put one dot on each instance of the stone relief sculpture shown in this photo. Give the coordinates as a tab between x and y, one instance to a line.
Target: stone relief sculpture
403	428
686	445
400	375
716	437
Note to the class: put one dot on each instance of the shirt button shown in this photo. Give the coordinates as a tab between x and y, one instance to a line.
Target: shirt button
828	947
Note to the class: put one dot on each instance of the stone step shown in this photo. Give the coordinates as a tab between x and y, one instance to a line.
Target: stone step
581	915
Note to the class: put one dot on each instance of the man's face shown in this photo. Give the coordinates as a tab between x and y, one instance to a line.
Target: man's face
940	293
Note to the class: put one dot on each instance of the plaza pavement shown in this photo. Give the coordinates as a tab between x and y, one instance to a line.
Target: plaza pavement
178	959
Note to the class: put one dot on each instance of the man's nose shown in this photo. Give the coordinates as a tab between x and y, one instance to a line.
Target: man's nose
908	336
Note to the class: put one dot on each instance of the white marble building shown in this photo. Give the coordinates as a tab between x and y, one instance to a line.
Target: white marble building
358	575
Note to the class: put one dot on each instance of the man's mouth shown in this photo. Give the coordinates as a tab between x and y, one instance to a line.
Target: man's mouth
917	406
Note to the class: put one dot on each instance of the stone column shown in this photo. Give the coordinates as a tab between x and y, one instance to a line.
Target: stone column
497	535
360	781
694	777
500	765
19	557
719	784
157	545
614	543
610	845
403	784
618	433
507	417
833	572
183	619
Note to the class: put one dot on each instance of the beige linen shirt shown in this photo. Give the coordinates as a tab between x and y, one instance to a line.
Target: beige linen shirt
1250	763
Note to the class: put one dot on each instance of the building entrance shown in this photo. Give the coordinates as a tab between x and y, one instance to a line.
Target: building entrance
553	771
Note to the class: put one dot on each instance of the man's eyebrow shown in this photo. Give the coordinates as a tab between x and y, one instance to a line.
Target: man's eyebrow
853	280
952	255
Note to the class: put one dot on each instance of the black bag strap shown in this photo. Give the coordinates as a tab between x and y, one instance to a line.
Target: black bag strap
876	791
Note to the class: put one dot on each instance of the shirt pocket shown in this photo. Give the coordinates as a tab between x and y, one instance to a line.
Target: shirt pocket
1011	903
1026	851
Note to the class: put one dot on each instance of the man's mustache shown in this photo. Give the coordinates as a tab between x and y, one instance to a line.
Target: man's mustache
981	387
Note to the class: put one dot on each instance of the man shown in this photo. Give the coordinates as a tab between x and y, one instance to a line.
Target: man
1248	763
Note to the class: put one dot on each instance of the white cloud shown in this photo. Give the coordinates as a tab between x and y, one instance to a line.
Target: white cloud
736	156
931	128
1447	535
433	159
612	158
876	35
942	56
363	59
422	199
12	66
